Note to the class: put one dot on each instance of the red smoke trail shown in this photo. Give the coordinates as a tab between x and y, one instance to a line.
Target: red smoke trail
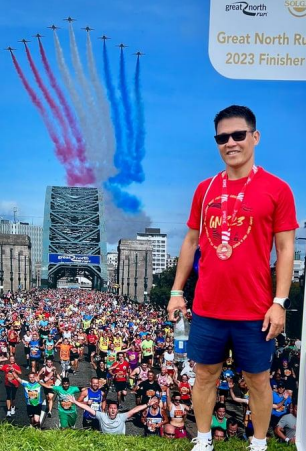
69	146
85	176
69	115
40	107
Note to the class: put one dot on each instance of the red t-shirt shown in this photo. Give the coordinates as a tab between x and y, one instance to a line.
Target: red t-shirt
9	379
120	371
240	288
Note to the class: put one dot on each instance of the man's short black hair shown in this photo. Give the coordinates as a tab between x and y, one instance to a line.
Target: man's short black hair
65	379
236	111
109	402
231	422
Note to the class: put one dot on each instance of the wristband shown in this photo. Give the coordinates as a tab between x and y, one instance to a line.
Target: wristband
176	293
287	439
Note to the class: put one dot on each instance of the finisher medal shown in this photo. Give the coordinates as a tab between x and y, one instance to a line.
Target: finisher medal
224	251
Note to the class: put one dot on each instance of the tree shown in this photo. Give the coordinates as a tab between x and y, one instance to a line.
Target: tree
163	282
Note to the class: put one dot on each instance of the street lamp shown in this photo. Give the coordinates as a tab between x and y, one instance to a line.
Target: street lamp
122	278
1	269
136	278
19	273
128	278
11	269
145	279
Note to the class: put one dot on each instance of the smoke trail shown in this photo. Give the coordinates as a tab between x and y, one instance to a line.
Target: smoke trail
85	171
140	129
120	224
104	110
69	148
127	108
98	136
119	158
41	109
86	123
73	177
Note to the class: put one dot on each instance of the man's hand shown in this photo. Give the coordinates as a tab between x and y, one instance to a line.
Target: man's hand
275	318
176	303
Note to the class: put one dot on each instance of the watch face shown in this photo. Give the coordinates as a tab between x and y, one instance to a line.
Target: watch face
287	303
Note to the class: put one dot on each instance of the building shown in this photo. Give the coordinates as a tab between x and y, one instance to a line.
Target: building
159	247
33	231
112	258
15	262
298	270
171	261
134	271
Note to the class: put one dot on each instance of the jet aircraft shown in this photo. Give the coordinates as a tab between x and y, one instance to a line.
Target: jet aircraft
70	19
104	37
38	36
24	41
139	54
10	49
54	27
87	29
121	46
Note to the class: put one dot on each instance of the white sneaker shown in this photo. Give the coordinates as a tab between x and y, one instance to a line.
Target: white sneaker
12	410
202	445
8	413
257	447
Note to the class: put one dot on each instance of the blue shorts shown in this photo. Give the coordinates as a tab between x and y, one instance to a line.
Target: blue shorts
210	340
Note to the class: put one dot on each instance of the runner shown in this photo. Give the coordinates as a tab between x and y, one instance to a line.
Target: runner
94	397
33	395
11	384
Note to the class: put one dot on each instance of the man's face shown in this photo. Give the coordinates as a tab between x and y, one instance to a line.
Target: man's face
220	413
232	430
151	376
95	384
219	436
65	385
237	154
112	411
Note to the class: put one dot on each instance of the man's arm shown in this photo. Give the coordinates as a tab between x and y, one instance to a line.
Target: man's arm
81	405
275	316
183	270
137	409
83	395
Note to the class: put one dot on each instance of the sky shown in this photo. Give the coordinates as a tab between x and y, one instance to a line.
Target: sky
181	93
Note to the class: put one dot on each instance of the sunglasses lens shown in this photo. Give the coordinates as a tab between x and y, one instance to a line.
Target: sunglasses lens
224	137
239	136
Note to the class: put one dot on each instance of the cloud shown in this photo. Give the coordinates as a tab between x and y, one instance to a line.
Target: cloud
7	207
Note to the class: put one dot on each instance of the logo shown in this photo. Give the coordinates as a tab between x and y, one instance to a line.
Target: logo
296	7
248	9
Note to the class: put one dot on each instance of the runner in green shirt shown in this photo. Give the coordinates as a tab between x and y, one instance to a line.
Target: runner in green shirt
147	350
66	409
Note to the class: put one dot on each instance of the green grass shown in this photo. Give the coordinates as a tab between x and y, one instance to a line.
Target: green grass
28	439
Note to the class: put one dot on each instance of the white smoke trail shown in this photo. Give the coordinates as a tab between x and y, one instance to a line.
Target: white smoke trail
96	154
103	106
86	123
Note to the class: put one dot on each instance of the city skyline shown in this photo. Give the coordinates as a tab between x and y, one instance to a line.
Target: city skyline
182	92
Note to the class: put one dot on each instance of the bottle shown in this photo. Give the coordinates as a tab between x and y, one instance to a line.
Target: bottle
181	334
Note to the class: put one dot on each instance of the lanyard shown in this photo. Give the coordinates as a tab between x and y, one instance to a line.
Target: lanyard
225	228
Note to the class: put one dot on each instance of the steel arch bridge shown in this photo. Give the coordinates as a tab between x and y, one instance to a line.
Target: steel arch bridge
74	241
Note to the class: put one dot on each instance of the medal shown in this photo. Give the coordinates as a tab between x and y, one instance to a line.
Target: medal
224	251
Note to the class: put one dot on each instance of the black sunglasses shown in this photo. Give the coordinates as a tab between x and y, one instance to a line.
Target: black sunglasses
239	135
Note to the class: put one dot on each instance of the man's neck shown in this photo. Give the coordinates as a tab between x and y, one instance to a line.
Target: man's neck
239	172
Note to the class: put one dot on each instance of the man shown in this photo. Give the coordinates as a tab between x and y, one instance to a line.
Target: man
95	398
286	427
111	421
67	412
149	388
218	434
33	395
231	428
147	350
239	212
48	374
281	403
119	370
218	420
169	431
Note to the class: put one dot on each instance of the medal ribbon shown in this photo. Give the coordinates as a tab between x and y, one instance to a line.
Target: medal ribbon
225	229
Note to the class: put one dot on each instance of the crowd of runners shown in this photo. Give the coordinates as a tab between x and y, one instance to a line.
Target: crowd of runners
130	347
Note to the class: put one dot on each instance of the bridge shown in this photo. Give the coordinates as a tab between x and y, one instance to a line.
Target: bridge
74	242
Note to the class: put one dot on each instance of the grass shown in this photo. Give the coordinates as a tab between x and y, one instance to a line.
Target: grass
13	438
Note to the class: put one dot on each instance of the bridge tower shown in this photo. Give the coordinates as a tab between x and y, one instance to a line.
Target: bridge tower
74	241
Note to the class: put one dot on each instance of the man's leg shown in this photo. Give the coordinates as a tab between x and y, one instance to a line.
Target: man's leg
204	394
260	401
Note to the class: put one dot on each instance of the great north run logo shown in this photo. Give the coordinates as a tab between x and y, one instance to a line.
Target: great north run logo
248	8
296	7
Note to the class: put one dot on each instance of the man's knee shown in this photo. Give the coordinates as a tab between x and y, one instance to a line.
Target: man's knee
258	381
207	374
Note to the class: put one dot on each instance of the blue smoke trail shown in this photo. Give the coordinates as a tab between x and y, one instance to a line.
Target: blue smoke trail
140	130
122	160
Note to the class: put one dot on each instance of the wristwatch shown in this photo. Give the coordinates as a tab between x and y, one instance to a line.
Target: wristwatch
283	302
